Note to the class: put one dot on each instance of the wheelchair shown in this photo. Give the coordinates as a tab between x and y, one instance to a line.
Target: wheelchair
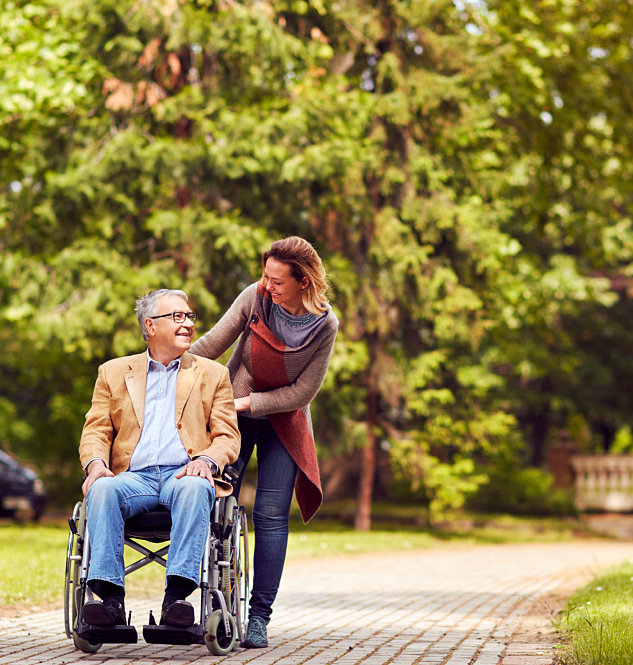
224	579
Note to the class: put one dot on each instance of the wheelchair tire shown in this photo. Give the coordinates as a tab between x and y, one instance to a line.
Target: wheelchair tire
84	645
69	581
78	594
241	573
215	637
76	567
234	578
226	575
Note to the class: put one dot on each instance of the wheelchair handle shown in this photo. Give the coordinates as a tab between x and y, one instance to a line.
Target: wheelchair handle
232	471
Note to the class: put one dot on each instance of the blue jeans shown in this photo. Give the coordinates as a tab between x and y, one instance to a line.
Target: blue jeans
276	473
112	500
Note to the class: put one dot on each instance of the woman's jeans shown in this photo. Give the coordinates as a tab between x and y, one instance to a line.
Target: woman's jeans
112	500
276	473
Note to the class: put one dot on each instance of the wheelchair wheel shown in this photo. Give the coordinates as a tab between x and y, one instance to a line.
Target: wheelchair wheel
84	645
234	578
226	582
69	582
228	544
240	568
74	597
215	636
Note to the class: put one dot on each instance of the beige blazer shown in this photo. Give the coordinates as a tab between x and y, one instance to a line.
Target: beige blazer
205	413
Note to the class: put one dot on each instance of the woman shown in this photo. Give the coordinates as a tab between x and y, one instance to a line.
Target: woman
287	333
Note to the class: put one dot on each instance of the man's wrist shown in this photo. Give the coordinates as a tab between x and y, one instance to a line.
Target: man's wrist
95	459
211	463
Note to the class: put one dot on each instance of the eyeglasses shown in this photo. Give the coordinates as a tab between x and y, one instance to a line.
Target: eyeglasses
178	317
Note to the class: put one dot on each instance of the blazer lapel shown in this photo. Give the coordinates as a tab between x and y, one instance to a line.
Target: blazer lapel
135	379
187	377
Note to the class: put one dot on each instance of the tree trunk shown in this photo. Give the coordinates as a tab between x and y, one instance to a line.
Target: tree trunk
362	521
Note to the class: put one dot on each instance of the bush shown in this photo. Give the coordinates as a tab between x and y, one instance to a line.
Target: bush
522	492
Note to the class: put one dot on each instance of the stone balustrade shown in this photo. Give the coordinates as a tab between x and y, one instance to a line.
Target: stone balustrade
604	482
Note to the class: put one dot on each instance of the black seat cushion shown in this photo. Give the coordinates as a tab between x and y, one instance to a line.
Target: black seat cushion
154	525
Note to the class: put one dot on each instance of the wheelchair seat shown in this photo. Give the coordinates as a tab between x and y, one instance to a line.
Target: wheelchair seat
153	526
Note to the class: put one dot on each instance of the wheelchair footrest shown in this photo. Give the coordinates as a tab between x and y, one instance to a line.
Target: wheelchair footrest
115	634
172	635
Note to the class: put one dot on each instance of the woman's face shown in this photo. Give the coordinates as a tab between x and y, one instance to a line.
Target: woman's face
284	289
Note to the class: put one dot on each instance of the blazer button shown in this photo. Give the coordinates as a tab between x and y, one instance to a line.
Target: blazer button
255	318
179	425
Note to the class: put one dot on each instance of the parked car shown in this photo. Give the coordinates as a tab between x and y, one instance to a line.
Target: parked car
22	493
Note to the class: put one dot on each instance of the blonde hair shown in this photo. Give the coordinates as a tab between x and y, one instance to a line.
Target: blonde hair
304	262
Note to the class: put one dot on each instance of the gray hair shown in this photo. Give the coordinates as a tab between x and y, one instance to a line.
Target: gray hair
147	306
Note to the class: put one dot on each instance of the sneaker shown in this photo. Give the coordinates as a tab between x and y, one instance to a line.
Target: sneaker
256	637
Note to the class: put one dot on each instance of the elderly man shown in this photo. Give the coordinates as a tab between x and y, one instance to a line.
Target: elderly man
162	424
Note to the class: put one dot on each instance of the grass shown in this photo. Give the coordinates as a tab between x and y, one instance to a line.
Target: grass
32	561
32	557
597	626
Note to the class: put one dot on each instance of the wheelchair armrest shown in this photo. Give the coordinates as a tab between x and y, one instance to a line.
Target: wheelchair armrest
232	472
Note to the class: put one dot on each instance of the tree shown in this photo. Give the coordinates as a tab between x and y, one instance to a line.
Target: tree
462	167
408	206
560	96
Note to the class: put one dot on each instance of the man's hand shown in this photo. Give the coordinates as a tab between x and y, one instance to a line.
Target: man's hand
96	469
196	467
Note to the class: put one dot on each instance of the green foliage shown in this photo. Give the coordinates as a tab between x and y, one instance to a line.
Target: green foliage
558	91
463	168
445	486
622	441
522	492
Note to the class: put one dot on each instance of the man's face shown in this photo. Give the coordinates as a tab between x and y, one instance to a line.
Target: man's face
168	339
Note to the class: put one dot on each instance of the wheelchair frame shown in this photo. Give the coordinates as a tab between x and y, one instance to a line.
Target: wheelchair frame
224	583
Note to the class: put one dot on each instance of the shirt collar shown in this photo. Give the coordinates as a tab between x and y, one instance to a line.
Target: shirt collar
151	363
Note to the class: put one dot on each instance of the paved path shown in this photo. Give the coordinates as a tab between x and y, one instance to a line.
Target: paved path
480	605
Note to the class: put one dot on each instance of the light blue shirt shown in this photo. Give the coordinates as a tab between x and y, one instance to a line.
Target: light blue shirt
160	442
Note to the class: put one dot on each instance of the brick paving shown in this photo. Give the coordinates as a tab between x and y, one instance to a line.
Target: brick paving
475	605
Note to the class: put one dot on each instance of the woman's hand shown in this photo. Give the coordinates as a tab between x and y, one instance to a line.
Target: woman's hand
243	403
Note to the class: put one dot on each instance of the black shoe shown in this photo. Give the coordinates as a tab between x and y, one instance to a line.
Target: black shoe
179	614
108	613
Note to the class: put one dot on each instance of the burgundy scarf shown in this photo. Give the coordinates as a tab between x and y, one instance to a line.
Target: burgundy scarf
269	372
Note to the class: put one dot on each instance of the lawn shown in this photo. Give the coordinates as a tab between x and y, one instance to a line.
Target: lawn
32	560
32	557
597	626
